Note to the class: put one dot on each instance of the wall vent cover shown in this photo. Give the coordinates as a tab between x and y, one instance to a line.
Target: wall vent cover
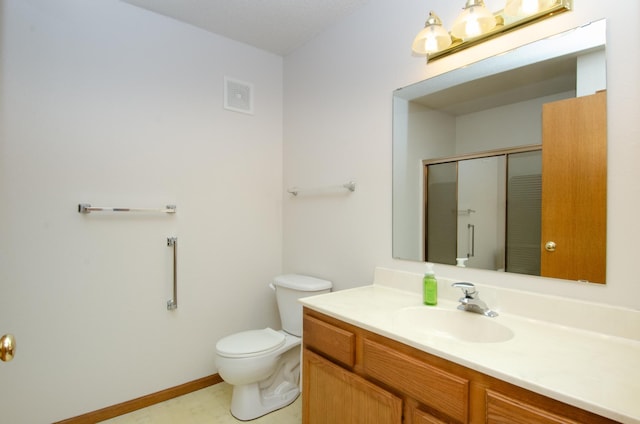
238	95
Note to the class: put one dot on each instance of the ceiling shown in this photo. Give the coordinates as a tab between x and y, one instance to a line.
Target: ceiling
278	26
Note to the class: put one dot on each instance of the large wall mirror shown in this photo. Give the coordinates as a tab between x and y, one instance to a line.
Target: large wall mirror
501	165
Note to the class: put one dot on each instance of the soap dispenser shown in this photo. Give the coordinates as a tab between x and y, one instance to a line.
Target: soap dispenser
430	286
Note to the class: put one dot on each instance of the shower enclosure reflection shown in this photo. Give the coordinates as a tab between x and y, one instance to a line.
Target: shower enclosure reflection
468	202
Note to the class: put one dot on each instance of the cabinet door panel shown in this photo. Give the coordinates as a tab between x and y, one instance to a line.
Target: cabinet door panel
421	417
334	395
429	385
502	409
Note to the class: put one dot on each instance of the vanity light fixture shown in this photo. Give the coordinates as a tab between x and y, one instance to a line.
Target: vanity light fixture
477	24
433	38
474	21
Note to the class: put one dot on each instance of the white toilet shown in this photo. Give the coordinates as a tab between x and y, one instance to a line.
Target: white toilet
264	365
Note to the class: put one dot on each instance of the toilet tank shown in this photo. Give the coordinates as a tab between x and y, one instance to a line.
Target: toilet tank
291	287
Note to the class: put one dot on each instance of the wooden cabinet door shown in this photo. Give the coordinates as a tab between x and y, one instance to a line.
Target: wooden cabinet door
434	387
574	188
502	409
331	394
421	417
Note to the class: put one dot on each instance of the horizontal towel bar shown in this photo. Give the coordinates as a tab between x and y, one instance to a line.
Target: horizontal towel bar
86	208
351	186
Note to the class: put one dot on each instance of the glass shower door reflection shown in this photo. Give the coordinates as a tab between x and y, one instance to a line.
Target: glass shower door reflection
441	205
486	210
481	212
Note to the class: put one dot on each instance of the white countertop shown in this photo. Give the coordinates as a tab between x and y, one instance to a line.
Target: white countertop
594	371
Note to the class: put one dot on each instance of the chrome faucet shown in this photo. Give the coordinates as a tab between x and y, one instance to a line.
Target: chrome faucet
470	302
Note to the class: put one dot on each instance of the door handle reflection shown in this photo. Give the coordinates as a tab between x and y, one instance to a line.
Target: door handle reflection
7	347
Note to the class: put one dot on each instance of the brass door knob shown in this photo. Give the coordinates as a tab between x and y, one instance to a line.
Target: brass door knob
550	246
7	347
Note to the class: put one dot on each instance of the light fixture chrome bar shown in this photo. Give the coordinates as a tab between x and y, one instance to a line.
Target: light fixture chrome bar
87	208
173	303
351	186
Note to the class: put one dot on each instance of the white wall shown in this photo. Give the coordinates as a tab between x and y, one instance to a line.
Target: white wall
105	103
516	124
338	125
414	125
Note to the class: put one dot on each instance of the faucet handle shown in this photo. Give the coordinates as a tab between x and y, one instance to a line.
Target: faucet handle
468	288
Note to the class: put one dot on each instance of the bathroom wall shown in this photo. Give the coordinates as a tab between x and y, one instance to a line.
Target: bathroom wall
105	103
412	125
338	127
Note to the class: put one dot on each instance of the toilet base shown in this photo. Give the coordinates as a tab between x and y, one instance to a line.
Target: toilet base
249	401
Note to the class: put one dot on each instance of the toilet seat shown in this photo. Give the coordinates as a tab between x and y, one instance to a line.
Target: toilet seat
250	343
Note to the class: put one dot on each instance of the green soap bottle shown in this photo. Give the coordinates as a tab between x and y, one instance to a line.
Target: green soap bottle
430	287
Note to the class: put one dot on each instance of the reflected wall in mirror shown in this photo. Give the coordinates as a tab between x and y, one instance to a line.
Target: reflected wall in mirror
495	164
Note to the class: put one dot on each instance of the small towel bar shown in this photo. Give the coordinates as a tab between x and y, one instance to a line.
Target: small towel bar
351	186
87	208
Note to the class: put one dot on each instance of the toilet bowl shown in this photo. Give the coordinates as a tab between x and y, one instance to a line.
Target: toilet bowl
263	366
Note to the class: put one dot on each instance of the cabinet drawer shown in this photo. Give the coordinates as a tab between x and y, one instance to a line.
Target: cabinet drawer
502	409
429	385
333	342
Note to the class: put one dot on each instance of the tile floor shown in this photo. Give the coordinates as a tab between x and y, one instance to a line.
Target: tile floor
207	406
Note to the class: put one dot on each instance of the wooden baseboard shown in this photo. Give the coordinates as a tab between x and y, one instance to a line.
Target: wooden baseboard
143	402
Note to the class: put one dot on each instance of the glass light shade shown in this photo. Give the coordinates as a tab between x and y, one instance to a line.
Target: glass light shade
432	38
474	20
521	8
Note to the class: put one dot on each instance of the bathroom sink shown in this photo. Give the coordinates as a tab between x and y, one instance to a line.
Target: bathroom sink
452	324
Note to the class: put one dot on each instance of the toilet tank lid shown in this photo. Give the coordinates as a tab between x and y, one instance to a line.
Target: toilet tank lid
301	282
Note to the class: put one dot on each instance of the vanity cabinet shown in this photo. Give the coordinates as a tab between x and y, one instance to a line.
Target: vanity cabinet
351	375
335	395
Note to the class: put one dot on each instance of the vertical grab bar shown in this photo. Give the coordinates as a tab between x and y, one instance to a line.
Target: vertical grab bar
472	229
173	303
